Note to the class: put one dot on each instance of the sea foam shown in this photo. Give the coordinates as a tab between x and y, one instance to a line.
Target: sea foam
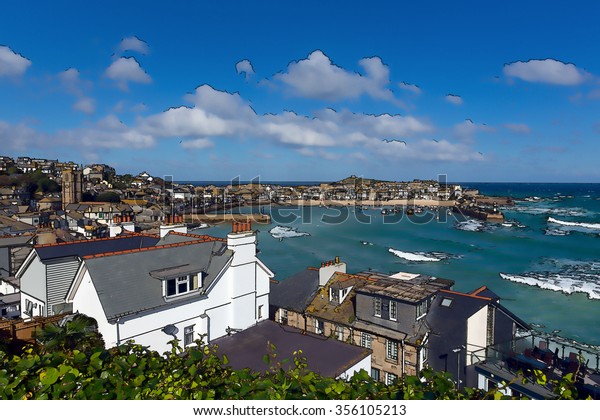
580	277
418	256
283	232
574	224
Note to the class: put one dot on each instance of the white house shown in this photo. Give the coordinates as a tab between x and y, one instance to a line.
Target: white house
184	287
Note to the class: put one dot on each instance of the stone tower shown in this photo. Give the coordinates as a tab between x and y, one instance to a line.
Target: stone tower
72	186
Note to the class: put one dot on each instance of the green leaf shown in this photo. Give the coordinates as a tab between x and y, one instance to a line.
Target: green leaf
49	376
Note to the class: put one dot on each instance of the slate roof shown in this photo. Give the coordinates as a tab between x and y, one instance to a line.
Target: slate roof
412	289
325	356
13	227
296	292
127	282
12	241
95	246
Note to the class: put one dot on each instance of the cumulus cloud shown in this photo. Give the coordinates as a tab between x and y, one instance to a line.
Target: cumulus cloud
518	128
426	150
466	130
245	67
547	71
71	81
410	88
12	63
133	43
454	99
85	105
125	70
197	144
316	77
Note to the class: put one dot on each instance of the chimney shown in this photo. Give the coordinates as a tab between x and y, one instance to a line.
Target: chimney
329	268
242	241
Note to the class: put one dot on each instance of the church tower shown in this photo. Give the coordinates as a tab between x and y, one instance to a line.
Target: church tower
72	186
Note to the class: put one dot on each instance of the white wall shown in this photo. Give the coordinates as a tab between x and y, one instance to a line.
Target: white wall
33	282
364	364
476	332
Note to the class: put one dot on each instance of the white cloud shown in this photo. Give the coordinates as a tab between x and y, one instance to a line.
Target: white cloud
426	150
245	67
12	63
518	128
125	70
454	99
317	77
133	43
547	71
85	105
410	88
197	144
466	130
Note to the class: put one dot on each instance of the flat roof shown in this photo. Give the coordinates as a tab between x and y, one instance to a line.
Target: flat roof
326	356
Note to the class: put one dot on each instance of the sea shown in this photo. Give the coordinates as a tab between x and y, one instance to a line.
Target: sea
543	262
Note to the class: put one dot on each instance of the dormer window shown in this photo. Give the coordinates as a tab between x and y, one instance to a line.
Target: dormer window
180	285
180	280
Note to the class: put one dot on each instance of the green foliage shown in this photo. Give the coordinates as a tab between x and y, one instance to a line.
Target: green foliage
131	371
109	197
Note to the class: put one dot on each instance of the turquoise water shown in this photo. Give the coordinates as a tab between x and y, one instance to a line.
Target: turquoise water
550	271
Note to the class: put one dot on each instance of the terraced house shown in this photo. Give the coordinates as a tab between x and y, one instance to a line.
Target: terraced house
385	313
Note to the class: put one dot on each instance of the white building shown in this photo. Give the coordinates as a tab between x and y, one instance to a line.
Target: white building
184	286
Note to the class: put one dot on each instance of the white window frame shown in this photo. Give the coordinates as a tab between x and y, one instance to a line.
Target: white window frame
260	311
366	340
187	280
339	332
393	312
422	309
377	307
188	335
391	350
319	327
390	378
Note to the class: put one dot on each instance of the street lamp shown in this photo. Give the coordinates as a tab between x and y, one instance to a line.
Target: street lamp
457	351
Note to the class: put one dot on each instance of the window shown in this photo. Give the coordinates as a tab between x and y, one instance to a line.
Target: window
393	311
181	285
188	335
366	340
375	374
283	316
446	302
377	307
390	378
391	350
339	332
319	326
422	309
260	311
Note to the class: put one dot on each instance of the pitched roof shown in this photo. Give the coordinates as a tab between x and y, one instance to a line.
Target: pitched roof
95	246
129	282
296	292
327	357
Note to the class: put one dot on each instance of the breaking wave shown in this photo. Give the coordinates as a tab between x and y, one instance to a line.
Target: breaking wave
581	277
418	256
473	225
574	224
560	211
283	232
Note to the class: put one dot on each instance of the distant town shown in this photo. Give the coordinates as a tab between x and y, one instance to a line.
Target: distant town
67	201
85	241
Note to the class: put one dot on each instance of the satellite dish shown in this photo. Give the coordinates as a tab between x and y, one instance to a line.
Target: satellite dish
170	330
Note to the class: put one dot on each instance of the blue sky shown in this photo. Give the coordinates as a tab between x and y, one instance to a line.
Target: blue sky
308	90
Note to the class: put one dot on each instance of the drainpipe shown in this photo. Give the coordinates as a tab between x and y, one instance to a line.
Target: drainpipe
118	335
403	361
